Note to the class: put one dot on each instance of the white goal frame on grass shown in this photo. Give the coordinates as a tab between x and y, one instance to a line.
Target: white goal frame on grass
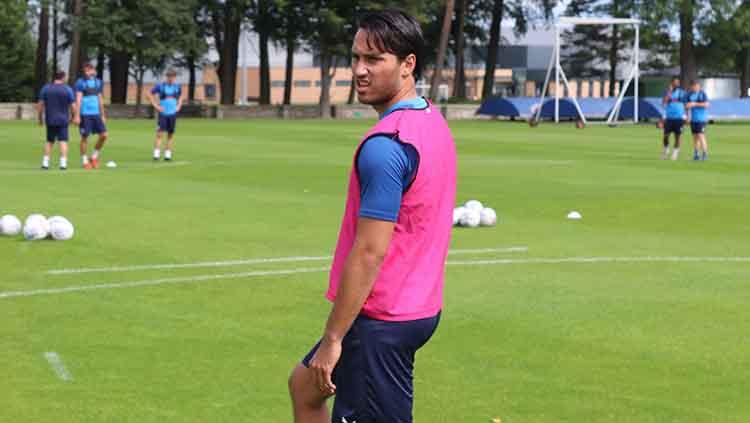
560	73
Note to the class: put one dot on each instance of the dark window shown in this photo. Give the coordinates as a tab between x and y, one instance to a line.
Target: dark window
343	83
317	83
303	83
209	91
277	84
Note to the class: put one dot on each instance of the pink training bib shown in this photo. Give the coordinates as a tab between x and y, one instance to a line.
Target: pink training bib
410	283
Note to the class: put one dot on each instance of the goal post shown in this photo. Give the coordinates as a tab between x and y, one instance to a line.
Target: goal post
554	65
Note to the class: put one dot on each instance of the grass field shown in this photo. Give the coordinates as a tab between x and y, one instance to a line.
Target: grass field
653	328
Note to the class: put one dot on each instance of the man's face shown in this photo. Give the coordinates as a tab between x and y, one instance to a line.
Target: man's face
171	79
90	72
378	75
696	87
675	83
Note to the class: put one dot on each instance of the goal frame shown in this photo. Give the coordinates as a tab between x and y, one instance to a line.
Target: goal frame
554	63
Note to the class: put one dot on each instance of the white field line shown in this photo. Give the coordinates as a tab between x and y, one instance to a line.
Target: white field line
242	262
57	365
204	278
563	260
162	281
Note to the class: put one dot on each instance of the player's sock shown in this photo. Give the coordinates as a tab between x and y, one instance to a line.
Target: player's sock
695	155
63	163
665	153
45	162
84	159
675	153
157	153
167	154
95	155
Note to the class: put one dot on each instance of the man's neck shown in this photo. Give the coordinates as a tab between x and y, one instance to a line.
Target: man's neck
57	81
408	92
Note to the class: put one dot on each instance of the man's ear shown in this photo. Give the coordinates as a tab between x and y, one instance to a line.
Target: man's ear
408	65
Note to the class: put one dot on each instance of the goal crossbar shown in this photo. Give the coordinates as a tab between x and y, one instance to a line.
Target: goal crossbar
554	64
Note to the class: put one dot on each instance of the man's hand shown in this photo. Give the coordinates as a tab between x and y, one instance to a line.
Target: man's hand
104	118
323	363
77	120
159	109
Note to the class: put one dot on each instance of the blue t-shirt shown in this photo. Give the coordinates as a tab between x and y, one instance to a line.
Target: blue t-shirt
698	114
57	99
168	96
90	88
676	105
386	168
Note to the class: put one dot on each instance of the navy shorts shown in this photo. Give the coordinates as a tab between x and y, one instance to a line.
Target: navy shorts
374	377
57	133
92	125
698	127
673	126
167	124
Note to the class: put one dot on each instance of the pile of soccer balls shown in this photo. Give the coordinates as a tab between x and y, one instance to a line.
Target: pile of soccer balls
37	227
474	214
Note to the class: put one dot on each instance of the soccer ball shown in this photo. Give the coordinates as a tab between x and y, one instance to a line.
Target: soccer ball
457	213
60	228
470	219
35	227
474	205
10	225
488	217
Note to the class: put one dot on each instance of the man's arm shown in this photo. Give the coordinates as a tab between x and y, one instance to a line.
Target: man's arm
667	97
357	279
77	108
179	101
152	99
40	111
101	108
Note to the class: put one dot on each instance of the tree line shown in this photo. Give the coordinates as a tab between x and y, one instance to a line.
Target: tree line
131	38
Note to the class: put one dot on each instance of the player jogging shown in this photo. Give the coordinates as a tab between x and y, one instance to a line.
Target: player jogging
55	102
90	116
386	281
170	103
674	101
697	107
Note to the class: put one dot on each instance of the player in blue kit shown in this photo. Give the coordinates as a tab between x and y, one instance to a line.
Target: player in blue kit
170	103
697	106
55	108
90	116
674	102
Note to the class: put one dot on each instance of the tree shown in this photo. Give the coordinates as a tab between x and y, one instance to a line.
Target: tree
76	50
191	46
727	47
459	76
442	48
16	52
293	29
265	19
40	64
226	18
492	49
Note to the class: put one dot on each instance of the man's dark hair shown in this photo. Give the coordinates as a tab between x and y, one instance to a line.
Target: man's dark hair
59	75
693	82
675	78
395	32
88	65
171	72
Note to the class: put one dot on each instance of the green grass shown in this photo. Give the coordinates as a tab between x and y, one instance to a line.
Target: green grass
568	342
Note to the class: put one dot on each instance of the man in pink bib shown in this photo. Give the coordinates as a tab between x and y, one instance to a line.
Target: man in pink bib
386	281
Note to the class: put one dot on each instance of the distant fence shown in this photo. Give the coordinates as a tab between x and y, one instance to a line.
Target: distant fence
26	111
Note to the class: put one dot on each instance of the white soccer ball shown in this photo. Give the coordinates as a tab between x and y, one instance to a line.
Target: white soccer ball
10	225
35	227
457	213
474	205
111	164
470	219
60	228
488	217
